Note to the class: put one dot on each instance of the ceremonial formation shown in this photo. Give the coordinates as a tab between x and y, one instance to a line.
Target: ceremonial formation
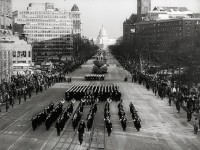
102	92
60	123
136	118
107	118
122	117
94	77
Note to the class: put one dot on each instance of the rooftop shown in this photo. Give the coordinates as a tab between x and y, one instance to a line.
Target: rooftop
75	8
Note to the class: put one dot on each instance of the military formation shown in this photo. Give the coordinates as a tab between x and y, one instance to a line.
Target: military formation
102	92
135	116
48	115
122	115
107	118
91	115
94	77
61	121
77	115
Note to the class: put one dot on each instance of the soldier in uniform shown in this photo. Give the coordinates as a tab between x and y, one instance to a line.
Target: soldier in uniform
81	131
137	123
109	127
178	106
19	96
25	95
123	123
58	127
34	123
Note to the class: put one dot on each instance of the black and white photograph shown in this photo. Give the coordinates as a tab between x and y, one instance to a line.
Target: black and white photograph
99	74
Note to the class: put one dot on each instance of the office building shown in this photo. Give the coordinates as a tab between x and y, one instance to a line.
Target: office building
50	30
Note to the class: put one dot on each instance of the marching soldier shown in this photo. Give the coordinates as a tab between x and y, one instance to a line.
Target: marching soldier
178	106
109	127
137	123
58	127
81	131
123	123
34	123
19	96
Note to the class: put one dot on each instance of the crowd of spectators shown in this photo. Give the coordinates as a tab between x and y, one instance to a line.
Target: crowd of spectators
22	86
185	96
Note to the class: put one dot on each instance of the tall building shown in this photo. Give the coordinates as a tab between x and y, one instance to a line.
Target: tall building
50	30
6	61
6	42
143	6
6	14
159	13
159	37
129	29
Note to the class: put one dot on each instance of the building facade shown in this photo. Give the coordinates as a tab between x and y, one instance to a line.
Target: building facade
6	42
22	51
50	30
6	62
129	29
159	13
143	6
6	14
163	36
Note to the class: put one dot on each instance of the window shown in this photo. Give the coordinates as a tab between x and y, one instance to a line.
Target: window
29	53
14	54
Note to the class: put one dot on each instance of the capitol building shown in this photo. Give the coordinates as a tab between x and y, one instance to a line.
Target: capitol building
102	40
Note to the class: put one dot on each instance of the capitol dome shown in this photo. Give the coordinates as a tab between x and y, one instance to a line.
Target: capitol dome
102	33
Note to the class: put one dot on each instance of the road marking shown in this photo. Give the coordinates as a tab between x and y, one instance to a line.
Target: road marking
19	139
13	122
189	125
155	138
46	141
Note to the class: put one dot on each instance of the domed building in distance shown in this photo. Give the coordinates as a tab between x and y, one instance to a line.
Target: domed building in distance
102	40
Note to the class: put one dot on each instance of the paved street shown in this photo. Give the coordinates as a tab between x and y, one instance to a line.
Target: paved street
162	127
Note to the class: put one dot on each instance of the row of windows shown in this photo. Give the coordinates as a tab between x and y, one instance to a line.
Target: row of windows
47	28
50	31
43	12
43	20
45	16
170	23
45	35
19	54
52	24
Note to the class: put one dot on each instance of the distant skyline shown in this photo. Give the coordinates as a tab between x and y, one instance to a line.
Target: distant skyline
110	13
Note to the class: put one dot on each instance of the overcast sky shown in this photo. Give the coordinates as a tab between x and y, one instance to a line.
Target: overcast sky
110	13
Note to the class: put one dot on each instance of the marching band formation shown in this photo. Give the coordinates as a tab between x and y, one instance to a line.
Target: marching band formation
94	77
91	92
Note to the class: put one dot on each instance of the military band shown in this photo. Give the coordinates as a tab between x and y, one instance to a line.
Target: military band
94	77
92	92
